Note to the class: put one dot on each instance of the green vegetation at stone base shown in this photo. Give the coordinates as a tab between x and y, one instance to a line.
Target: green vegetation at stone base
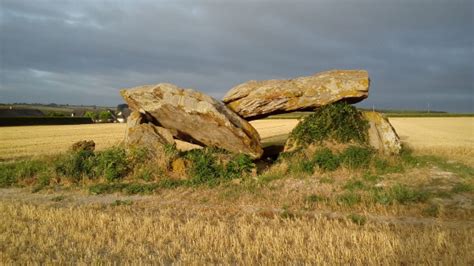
112	164
340	122
324	159
210	166
118	169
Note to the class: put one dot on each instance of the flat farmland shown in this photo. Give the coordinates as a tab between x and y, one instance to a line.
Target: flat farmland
418	212
445	136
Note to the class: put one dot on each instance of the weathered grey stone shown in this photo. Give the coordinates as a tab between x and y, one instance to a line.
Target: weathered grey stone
194	117
254	99
382	135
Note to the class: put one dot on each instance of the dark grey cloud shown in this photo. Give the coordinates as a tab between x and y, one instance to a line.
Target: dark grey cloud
417	52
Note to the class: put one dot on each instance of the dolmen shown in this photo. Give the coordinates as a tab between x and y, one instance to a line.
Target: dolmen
163	113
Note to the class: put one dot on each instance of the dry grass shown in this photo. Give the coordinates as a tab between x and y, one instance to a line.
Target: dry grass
122	234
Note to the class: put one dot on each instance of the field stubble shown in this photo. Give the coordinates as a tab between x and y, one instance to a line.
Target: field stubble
176	234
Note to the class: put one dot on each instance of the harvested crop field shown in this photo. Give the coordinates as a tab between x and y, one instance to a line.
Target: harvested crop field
407	210
144	232
449	136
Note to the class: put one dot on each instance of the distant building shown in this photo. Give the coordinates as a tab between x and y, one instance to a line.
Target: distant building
123	112
20	112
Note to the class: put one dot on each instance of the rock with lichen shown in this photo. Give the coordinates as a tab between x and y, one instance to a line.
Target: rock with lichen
255	99
194	117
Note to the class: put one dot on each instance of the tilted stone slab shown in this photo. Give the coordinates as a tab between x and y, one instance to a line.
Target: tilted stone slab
254	99
194	117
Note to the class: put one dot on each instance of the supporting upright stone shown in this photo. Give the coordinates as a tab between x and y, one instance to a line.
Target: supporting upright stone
382	135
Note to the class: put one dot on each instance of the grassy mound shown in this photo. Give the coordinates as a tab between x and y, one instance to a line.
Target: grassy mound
340	122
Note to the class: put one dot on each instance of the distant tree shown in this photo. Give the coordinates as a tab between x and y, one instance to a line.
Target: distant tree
92	115
104	116
122	106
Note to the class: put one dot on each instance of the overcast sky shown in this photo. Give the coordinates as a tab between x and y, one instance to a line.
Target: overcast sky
417	52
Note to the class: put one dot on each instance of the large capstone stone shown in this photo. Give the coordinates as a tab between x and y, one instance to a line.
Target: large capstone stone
382	135
194	117
256	99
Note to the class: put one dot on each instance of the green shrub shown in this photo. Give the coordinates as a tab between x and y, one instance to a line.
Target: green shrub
207	169
240	165
12	173
138	155
7	175
44	179
356	157
112	164
204	167
91	115
105	115
76	165
326	160
339	121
